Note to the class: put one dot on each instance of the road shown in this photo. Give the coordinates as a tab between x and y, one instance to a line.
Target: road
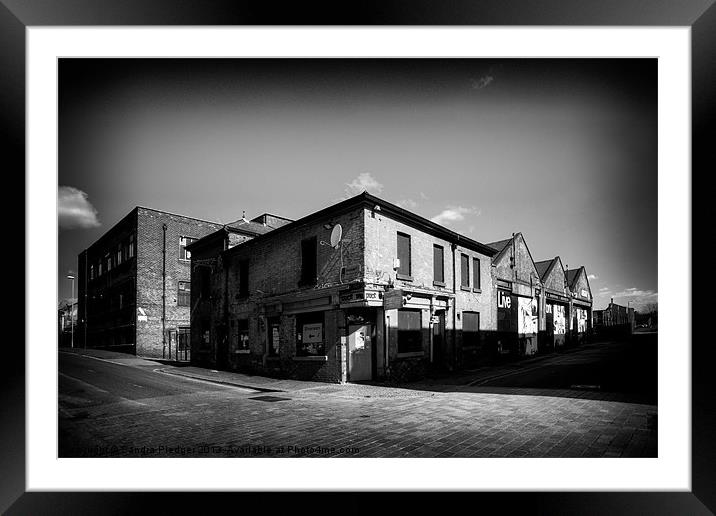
130	408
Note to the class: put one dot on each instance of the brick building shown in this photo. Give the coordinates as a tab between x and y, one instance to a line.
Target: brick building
134	283
556	303
394	296
580	305
518	300
614	319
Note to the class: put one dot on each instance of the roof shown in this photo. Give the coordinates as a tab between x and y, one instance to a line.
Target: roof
572	276
499	245
249	226
370	200
543	267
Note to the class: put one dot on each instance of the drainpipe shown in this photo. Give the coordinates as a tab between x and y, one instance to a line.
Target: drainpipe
85	311
164	289
453	246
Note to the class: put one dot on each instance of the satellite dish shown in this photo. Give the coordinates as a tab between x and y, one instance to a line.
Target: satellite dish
336	235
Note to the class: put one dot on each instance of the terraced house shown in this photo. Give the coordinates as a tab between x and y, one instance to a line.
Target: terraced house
357	291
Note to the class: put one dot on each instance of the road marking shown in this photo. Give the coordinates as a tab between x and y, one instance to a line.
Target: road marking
93	387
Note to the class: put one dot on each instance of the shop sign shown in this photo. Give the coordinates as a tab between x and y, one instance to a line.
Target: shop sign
393	299
353	296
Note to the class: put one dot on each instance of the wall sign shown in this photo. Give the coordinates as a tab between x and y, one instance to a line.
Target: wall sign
313	333
393	299
503	299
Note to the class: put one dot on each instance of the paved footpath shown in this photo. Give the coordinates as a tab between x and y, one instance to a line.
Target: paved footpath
159	413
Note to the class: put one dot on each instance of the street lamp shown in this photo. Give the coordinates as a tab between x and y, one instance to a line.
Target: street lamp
72	314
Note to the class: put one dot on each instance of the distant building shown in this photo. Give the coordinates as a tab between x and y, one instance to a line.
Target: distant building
135	282
66	319
614	319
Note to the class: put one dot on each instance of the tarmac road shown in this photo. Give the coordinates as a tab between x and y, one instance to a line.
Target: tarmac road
127	407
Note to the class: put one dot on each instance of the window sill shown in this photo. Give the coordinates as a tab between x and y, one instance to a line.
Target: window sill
242	351
438	283
412	354
466	289
404	277
477	290
317	358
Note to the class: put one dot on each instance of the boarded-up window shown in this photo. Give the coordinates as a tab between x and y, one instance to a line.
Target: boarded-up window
184	293
476	273
244	278
464	270
438	264
410	331
308	261
470	328
274	336
404	254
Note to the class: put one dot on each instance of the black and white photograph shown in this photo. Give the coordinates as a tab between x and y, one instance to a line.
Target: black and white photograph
357	258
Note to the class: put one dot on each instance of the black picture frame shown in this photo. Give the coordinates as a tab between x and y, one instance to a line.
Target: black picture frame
17	15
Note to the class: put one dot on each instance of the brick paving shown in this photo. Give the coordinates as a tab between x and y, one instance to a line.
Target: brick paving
352	421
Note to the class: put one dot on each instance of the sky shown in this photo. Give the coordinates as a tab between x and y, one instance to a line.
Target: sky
562	150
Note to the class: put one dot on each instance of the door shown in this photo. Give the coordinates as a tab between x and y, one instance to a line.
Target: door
359	353
439	340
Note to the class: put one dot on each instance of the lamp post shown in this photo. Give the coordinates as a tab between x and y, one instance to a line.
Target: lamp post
72	314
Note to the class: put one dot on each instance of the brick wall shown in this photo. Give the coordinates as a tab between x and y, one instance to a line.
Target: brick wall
150	238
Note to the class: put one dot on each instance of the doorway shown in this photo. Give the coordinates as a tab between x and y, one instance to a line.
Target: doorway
438	358
360	354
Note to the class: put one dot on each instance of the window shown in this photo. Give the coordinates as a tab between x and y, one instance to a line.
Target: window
476	273
244	278
91	271
438	264
470	328
183	242
242	340
205	282
464	271
99	268
184	293
308	261
410	331
130	247
309	335
108	261
119	254
274	336
404	255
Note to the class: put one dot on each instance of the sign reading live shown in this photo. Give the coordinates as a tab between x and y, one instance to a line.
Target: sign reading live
503	299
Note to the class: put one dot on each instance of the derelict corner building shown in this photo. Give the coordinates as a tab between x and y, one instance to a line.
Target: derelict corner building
365	290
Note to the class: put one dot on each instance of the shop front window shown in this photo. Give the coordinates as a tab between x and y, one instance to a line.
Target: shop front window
310	335
410	331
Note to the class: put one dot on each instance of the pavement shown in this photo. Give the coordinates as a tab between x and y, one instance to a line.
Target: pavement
119	406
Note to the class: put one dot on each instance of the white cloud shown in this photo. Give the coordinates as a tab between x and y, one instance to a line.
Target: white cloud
364	181
636	297
604	289
74	211
423	196
482	82
592	276
454	214
408	204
